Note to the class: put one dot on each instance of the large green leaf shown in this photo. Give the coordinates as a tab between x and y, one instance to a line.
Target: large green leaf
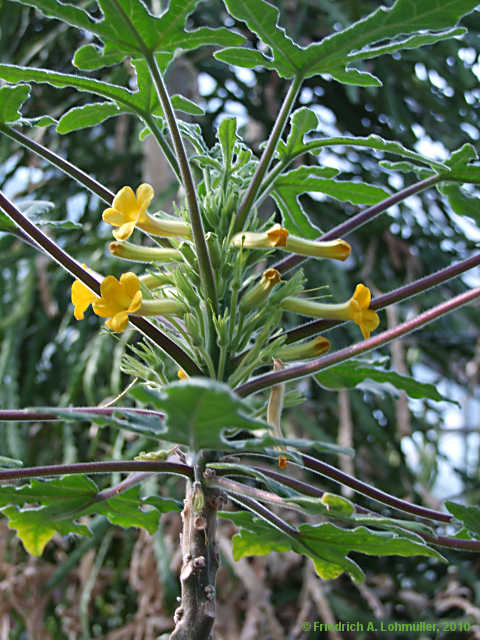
334	53
326	544
198	412
127	28
35	527
63	500
365	374
288	187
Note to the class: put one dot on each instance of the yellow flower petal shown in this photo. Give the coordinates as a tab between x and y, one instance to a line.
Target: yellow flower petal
362	295
124	231
119	322
126	203
277	236
118	299
82	297
128	209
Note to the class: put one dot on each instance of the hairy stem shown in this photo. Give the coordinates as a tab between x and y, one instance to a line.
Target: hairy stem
300	371
195	616
267	155
204	262
163	144
57	161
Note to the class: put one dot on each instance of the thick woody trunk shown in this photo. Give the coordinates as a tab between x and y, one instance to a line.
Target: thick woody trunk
195	616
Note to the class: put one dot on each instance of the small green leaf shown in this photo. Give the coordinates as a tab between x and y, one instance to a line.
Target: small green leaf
464	165
11	99
406	167
361	374
87	116
469	515
355	77
227	136
302	121
180	103
461	202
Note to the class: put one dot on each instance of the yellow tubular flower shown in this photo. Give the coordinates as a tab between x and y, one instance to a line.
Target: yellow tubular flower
129	211
182	375
276	236
356	309
82	298
118	300
137	253
337	249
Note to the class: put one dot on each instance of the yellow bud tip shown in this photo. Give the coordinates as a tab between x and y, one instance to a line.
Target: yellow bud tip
272	276
282	462
321	345
343	250
115	247
182	375
277	235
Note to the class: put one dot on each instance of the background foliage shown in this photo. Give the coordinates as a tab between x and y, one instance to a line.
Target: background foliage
420	450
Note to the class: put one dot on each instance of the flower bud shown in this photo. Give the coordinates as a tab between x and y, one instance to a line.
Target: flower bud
253	298
129	251
303	351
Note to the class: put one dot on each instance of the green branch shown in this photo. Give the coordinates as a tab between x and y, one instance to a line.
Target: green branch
204	262
251	193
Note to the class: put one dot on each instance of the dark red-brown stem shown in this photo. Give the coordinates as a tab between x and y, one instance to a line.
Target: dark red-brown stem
97	467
